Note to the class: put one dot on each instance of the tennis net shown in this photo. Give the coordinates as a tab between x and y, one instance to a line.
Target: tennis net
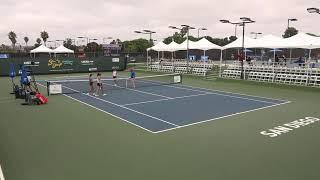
72	86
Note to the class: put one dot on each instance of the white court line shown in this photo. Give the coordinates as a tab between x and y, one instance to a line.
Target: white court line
138	112
235	93
70	76
104	112
238	97
109	113
183	86
181	97
1	174
140	91
200	122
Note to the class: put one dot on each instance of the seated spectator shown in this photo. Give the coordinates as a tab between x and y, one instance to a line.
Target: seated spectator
300	61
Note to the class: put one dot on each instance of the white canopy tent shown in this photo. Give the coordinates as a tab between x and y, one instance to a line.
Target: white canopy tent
173	46
161	46
248	42
204	44
41	49
63	50
268	41
303	41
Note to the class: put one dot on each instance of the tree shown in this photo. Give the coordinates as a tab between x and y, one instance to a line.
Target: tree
67	43
38	42
118	41
26	39
44	35
184	31
232	38
177	37
136	46
291	31
13	38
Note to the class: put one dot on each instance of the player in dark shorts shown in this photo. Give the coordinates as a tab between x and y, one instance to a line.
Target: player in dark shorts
91	88
99	86
133	77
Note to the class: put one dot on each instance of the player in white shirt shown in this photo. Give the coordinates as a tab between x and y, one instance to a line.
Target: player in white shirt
114	76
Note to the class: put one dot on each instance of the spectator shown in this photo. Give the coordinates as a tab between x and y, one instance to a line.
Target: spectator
284	59
276	59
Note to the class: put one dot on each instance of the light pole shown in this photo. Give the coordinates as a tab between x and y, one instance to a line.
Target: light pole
313	10
256	34
146	31
236	24
104	40
94	39
201	29
255	37
59	40
82	37
187	27
291	19
243	22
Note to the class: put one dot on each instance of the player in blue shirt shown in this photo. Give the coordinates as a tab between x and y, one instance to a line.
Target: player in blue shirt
133	77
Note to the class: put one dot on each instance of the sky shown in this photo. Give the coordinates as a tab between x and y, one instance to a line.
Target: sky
120	18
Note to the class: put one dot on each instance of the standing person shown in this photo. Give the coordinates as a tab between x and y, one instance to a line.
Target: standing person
133	77
99	86
91	88
114	76
284	60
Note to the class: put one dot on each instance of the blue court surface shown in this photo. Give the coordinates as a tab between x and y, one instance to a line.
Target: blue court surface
166	107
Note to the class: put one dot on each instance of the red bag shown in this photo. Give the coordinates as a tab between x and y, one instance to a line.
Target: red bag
42	98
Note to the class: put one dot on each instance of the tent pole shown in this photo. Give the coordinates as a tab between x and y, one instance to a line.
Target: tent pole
204	63
274	59
290	55
309	54
147	60
220	63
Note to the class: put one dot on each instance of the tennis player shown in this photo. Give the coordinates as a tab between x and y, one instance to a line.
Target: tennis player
28	85
91	88
133	77
114	76
99	86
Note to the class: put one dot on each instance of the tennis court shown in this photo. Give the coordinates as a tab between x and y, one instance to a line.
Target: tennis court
158	103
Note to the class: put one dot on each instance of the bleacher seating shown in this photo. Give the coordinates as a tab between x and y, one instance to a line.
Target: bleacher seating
199	68
231	74
283	75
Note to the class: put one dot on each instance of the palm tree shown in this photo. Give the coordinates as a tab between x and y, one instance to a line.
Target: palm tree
44	35
13	38
26	39
38	40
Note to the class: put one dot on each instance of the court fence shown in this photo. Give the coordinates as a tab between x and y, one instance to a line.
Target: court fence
63	64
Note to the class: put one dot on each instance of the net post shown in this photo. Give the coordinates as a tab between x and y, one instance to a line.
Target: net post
48	88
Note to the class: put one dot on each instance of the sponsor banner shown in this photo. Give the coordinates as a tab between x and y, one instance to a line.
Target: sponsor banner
93	69
49	65
4	56
31	63
87	62
115	59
